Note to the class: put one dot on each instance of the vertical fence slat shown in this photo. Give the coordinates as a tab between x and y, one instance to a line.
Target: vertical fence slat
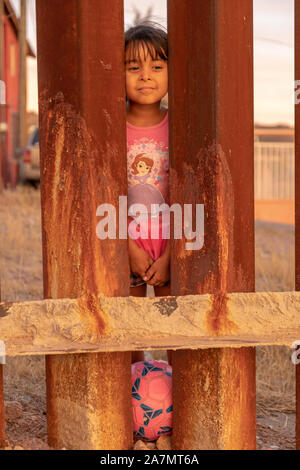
211	162
297	202
83	164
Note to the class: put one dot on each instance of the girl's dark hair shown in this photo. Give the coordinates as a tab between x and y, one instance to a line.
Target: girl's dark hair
151	36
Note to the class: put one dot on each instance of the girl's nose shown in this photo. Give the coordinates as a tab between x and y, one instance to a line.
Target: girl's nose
145	74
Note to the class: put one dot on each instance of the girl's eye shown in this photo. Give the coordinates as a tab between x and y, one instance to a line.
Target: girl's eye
136	68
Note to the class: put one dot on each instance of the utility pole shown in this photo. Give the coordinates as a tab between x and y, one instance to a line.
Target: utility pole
2	106
22	76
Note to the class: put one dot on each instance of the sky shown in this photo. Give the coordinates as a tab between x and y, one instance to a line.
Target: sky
273	54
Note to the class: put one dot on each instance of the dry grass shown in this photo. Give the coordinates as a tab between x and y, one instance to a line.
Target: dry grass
21	279
21	245
275	262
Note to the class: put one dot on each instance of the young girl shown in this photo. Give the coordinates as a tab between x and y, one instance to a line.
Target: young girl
146	72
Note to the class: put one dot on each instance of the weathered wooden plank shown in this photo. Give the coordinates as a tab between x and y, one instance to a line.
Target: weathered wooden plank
133	323
211	148
83	164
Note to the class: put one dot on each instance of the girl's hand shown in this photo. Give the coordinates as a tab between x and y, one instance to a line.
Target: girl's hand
139	259
159	272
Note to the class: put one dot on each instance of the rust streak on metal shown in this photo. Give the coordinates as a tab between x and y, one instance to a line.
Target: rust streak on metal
218	321
70	146
89	304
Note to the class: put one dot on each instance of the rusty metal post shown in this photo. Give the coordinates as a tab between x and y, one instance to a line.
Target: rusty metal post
83	164
297	199
211	162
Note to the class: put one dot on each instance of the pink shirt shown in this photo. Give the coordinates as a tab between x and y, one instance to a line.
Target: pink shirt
148	164
148	179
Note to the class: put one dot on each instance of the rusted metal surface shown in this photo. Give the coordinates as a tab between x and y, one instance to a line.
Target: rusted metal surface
136	323
213	422
83	164
211	162
297	201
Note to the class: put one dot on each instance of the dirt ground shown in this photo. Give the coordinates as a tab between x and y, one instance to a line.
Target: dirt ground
27	426
24	377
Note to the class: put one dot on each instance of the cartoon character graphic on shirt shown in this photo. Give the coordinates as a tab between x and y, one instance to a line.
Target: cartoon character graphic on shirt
141	167
143	190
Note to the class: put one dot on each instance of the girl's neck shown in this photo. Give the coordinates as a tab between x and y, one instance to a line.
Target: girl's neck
145	115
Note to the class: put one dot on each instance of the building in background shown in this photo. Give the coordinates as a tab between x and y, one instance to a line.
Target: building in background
9	114
274	173
276	133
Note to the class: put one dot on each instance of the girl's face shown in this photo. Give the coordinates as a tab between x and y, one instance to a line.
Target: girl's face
146	79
